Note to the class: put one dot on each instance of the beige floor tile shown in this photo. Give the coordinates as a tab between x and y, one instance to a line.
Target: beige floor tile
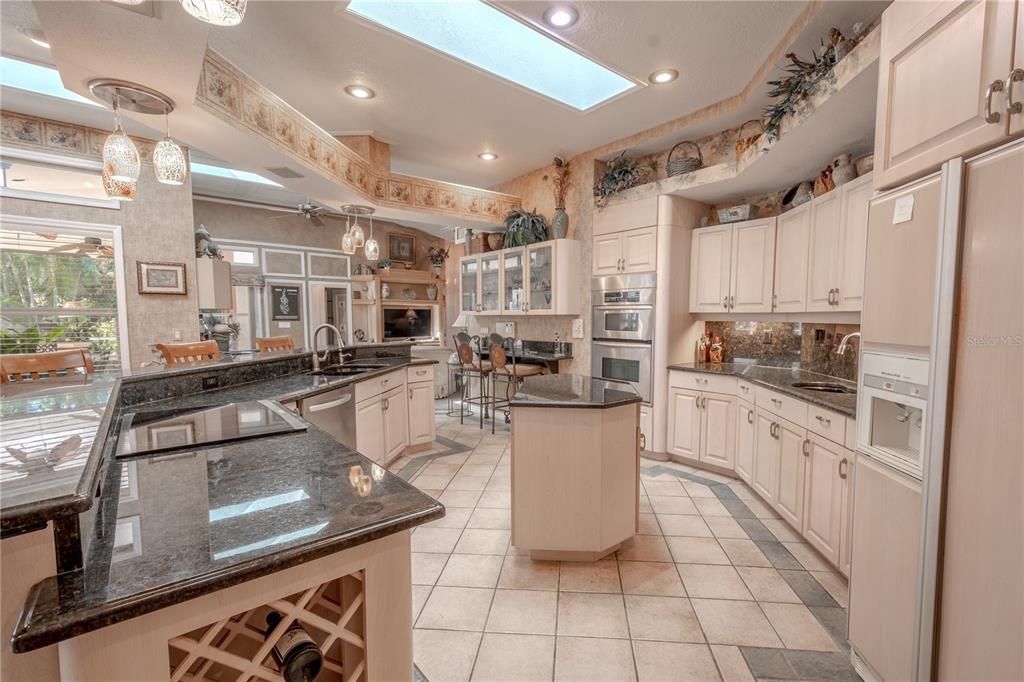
456	608
731	663
653	578
431	482
529	612
660	661
742	490
443	654
697	551
645	548
667	619
649	525
684	525
435	540
514	658
807	556
644	505
495	500
760	509
483	541
660	476
494	519
743	552
586	659
836	585
459	498
436	468
471	570
591	615
462	482
710	506
419	598
725	527
713	582
665	488
427	567
766	584
454	517
782	530
433	493
599	576
672	505
499	484
459	459
521	572
695	489
798	627
473	469
733	622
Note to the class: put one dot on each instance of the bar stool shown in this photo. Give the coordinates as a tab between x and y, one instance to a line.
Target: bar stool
29	366
472	366
504	366
274	344
185	353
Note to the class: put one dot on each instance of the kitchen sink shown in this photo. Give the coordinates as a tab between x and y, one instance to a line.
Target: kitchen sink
342	371
824	386
364	364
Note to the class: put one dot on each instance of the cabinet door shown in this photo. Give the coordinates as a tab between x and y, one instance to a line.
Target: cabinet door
640	250
746	437
370	429
853	222
753	266
513	278
793	446
396	422
718	429
846	518
793	233
766	457
823	252
646	426
684	423
421	412
540	273
710	260
608	254
823	497
490	283
935	64
469	284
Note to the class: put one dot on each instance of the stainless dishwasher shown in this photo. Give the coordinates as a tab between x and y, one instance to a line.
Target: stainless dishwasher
335	413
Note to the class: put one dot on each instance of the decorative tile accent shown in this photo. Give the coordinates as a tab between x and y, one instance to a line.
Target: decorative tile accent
33	132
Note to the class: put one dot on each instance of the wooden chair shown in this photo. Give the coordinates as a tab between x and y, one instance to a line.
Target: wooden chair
29	366
183	353
272	344
472	366
505	366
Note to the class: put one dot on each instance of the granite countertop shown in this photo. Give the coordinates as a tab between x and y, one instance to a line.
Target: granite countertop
781	379
573	390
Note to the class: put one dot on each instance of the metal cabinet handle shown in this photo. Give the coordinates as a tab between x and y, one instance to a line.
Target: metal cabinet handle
725	302
385	382
643	441
831	293
732	302
806	447
384	404
837	295
704	402
776	401
410	394
745	389
843	467
823	420
775	301
750	416
992	116
1011	106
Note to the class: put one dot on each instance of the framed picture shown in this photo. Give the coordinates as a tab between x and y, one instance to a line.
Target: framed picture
402	248
285	304
162	278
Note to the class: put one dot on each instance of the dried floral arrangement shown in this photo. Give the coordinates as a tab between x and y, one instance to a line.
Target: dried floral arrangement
436	255
620	174
560	181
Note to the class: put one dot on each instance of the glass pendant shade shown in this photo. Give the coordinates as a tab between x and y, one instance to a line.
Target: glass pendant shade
216	12
169	162
358	235
120	157
123	190
371	250
348	244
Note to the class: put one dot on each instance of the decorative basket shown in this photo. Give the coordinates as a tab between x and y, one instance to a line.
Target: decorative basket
684	164
748	136
736	213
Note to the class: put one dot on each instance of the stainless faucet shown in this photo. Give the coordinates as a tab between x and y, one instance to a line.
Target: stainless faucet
316	351
845	341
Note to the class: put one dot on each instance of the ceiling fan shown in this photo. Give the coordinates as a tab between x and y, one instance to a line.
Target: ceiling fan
88	247
310	211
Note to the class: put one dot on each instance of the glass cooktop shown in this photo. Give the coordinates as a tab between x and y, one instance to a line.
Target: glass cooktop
144	432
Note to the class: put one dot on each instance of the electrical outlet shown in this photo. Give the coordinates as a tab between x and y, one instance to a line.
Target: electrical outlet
177	335
819	335
211	382
766	336
577	328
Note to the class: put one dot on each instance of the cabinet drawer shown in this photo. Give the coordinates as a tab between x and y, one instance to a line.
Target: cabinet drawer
827	423
377	385
745	390
419	373
702	381
788	408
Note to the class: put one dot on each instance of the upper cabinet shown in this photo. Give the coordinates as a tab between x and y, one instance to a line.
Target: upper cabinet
943	87
838	238
710	263
731	268
625	252
538	279
790	295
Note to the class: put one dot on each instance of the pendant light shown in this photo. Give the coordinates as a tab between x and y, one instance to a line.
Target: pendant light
169	160
348	242
123	190
372	249
120	157
358	235
216	12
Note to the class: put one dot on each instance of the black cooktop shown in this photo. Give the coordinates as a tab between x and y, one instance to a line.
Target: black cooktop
145	432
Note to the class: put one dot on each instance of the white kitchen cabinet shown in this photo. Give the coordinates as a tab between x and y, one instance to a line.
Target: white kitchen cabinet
469	284
370	429
847	473
480	283
710	263
539	279
718	430
607	254
856	198
838	242
753	266
646	427
789	496
421	412
824	251
684	423
746	439
791	249
824	495
396	423
766	457
626	251
513	280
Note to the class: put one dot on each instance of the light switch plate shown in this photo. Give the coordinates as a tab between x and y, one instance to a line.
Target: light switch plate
506	329
577	328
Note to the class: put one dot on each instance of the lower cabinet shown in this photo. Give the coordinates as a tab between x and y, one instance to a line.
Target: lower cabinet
370	428
646	428
684	423
746	440
824	493
702	426
396	422
765	476
421	412
789	496
388	421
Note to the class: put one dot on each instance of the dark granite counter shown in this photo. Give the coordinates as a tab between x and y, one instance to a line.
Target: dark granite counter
781	379
573	391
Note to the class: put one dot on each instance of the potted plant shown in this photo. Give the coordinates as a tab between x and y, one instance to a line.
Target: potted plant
523	227
437	256
560	184
620	174
384	264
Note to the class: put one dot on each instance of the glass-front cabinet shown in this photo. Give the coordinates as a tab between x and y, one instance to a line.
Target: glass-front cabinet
470	280
513	280
490	283
540	259
540	279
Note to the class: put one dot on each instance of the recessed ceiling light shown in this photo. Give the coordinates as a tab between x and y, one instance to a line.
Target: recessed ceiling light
36	36
360	91
560	16
663	76
487	156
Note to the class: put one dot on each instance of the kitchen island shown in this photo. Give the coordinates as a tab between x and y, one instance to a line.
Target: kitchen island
575	466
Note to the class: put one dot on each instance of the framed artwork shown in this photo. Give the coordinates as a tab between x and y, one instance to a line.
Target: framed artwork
285	304
162	278
402	248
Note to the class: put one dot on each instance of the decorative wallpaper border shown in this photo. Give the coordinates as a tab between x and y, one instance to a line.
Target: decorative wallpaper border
33	132
235	98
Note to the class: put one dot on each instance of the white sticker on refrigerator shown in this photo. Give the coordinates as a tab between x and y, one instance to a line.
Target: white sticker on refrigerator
903	211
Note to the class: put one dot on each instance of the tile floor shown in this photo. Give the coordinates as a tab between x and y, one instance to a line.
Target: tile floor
716	586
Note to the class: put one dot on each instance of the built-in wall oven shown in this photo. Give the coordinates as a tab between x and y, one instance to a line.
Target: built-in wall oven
623	330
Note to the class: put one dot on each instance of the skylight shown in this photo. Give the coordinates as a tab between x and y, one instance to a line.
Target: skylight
230	173
42	80
478	34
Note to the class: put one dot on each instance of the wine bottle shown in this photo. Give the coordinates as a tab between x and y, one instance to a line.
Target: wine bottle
297	656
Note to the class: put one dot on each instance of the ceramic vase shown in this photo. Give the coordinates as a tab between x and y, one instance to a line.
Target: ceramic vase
843	170
432	292
495	240
560	224
385	290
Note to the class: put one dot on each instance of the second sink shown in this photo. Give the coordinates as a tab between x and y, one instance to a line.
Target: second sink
824	386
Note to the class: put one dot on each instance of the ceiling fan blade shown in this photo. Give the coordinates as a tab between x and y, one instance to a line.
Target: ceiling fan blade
284	214
47	235
64	248
315	219
106	250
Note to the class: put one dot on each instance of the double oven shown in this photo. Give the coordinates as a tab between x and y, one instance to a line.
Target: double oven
623	329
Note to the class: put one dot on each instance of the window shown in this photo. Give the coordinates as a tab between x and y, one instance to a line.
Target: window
58	289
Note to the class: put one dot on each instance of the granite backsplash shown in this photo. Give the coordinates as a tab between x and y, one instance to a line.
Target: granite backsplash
808	345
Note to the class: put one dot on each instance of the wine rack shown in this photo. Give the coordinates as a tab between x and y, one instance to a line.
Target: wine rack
237	649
